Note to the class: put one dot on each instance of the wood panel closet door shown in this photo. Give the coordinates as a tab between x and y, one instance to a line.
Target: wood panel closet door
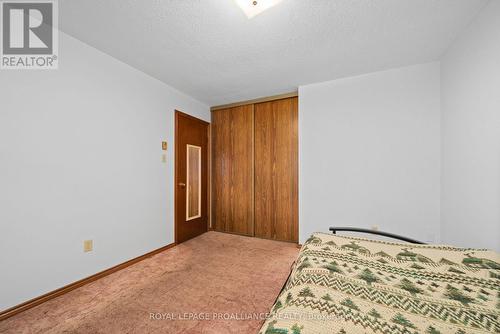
221	169
276	169
233	169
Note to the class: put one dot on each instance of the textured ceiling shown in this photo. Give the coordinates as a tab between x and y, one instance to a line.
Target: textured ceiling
210	50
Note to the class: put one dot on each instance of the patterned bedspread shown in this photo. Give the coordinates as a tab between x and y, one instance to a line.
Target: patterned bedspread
350	285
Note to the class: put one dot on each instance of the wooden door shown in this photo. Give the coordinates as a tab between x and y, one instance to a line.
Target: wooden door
191	177
276	169
233	170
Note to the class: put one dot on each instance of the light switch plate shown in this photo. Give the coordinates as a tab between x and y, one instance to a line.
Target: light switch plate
164	145
88	245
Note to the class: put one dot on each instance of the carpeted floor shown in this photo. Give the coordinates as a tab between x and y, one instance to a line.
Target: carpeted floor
213	276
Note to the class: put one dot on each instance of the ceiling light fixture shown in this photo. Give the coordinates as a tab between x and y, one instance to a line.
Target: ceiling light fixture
255	7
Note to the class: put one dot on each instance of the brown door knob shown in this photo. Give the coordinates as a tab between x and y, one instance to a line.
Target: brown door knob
182	185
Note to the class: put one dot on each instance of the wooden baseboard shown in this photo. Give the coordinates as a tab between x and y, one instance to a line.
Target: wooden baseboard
53	294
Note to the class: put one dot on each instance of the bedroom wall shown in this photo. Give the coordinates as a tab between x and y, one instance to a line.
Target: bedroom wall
80	151
471	134
369	153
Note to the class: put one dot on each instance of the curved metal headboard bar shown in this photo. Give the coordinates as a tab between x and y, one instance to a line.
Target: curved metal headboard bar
385	234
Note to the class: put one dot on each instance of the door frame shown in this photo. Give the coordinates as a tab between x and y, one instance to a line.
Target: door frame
178	114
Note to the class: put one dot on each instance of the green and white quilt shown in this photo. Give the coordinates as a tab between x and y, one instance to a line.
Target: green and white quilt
343	284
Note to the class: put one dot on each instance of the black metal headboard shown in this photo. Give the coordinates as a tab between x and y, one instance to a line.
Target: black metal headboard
385	234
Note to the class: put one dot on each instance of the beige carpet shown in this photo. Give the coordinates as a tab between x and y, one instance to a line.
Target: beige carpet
221	277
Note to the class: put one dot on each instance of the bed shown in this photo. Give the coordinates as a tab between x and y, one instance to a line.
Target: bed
344	284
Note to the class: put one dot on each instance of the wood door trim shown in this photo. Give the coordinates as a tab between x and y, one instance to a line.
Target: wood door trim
209	175
253	171
254	101
176	169
72	286
178	114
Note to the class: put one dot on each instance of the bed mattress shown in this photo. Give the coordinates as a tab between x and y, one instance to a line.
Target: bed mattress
343	284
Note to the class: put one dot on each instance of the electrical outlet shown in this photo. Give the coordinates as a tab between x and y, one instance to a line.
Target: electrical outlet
88	245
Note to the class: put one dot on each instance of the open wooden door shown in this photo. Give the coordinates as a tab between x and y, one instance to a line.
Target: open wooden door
191	177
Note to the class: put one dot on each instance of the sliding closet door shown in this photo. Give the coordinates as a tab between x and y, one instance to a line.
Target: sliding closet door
276	169
221	169
242	176
233	169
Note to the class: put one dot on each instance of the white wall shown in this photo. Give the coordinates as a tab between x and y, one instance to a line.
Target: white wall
369	150
471	134
80	158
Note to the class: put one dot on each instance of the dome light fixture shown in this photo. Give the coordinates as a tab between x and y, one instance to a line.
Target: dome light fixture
252	8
